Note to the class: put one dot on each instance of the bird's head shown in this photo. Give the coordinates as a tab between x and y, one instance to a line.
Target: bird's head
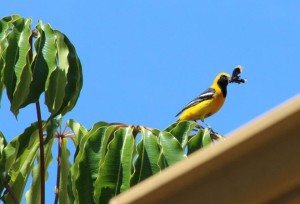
222	79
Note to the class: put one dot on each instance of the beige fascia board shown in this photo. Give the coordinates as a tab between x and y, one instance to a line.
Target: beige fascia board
258	163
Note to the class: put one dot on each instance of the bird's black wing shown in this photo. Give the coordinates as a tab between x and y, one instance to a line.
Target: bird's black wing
207	94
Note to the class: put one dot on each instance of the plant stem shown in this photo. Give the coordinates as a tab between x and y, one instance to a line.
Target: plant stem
42	157
11	193
60	141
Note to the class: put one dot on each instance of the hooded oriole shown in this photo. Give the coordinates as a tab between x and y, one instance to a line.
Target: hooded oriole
207	103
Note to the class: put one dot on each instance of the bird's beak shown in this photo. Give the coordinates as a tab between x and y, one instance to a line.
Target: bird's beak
229	79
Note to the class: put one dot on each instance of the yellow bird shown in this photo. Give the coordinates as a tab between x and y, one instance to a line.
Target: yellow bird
207	103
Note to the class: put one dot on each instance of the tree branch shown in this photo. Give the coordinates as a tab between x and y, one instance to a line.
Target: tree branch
40	126
60	141
11	193
42	156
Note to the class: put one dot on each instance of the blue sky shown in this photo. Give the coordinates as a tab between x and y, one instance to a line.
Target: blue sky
144	60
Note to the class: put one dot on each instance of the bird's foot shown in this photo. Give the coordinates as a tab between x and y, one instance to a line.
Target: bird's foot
212	132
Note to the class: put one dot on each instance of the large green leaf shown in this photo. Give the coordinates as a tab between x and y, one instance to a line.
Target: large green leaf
80	149
64	173
206	137
5	28
89	159
5	25
14	59
39	66
18	158
11	56
22	69
74	76
71	195
115	171
182	130
55	91
200	140
83	139
16	148
33	195
44	62
65	82
171	149
146	163
78	130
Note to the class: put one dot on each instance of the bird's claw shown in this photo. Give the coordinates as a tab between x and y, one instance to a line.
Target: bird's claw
212	132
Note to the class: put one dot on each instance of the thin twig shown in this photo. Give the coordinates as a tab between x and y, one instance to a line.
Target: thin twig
60	141
68	132
11	193
69	135
63	132
42	156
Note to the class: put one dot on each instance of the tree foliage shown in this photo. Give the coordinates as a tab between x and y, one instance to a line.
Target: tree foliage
109	158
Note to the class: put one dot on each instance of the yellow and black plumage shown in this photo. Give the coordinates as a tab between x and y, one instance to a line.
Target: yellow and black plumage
207	103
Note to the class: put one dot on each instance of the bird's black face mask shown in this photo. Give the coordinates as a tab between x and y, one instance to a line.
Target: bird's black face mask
222	83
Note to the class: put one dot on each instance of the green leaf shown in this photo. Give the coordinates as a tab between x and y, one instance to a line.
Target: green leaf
16	148
171	127
12	56
182	130
70	185
33	194
65	82
170	148
51	128
11	18
206	138
74	78
56	77
200	140
4	27
14	61
55	91
39	66
88	162
44	62
162	162
22	69
195	142
115	171
78	130
3	144
86	136
64	173
19	156
146	163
